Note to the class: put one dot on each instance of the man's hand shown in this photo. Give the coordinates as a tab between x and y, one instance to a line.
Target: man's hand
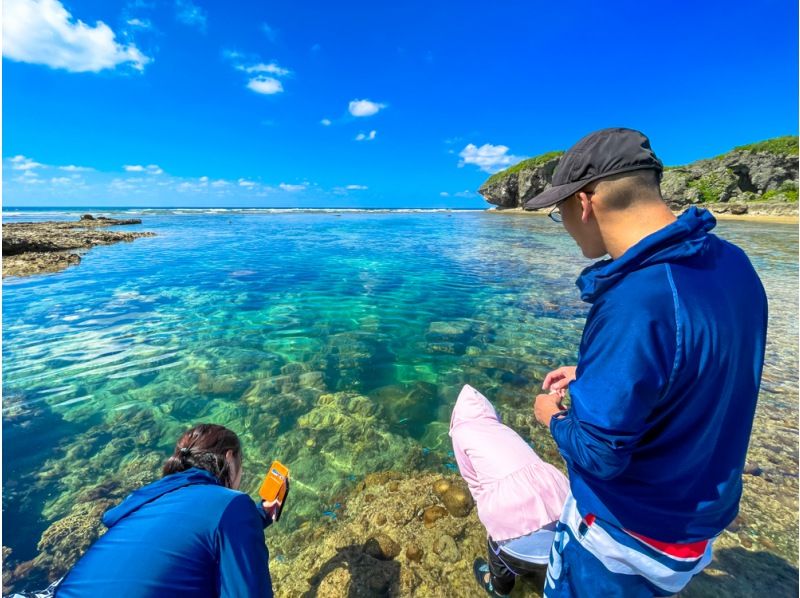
558	380
546	406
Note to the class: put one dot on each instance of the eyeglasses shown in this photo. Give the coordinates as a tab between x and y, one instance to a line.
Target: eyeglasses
555	213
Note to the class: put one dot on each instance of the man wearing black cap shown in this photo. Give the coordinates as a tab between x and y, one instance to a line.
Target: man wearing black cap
663	396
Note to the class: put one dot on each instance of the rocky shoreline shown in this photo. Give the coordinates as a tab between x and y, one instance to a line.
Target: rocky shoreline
45	247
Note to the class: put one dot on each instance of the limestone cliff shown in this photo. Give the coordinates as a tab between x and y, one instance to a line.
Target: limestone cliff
759	178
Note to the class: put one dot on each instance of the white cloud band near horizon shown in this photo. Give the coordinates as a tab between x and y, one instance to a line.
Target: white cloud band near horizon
149	169
292	188
489	158
44	32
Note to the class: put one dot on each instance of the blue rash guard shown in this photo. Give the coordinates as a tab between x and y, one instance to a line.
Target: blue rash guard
668	375
183	535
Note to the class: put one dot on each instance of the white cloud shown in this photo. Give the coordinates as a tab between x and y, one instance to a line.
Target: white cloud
149	169
260	83
364	107
261	67
464	193
246	183
489	158
444	194
29	180
366	136
356	187
61	180
140	23
44	32
265	85
22	163
291	188
190	14
220	183
73	168
325	122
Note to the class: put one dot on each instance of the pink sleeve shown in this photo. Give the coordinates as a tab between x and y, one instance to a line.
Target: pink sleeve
465	465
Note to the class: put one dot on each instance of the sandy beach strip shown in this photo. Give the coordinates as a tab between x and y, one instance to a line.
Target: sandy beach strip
766	218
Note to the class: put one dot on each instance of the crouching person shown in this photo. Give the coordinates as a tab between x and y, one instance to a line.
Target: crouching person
518	496
191	533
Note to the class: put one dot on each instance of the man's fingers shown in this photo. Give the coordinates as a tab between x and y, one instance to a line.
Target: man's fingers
550	378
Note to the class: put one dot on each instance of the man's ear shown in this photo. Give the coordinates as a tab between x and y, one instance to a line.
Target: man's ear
586	206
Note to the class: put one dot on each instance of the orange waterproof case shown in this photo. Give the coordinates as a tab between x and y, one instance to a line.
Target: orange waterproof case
274	485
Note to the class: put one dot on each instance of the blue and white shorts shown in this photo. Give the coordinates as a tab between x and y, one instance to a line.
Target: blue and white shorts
593	558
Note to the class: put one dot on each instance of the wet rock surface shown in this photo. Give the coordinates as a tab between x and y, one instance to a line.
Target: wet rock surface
381	539
44	247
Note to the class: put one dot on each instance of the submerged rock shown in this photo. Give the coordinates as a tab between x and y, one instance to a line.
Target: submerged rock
440	487
445	547
458	500
432	514
382	547
414	553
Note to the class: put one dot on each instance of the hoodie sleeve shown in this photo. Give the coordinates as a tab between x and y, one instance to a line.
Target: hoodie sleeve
242	551
626	361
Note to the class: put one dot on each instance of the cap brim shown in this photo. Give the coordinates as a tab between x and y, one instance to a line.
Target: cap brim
553	195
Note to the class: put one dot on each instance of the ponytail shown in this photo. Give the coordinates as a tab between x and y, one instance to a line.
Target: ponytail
206	446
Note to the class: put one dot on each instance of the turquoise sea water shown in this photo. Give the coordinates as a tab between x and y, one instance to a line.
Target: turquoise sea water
334	341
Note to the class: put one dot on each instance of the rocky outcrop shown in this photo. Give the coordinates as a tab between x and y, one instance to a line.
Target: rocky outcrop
41	247
760	178
512	187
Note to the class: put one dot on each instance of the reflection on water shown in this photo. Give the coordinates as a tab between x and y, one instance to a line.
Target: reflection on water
336	342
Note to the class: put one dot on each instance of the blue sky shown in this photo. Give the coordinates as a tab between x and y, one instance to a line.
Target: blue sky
406	104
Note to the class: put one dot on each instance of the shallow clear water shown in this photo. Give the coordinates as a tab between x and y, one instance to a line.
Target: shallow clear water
334	341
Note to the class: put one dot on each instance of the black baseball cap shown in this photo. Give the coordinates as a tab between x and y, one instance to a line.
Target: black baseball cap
598	155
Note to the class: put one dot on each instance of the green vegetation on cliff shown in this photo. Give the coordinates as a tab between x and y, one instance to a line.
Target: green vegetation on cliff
530	163
786	192
786	145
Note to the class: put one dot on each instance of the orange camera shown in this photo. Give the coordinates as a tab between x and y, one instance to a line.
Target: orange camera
276	483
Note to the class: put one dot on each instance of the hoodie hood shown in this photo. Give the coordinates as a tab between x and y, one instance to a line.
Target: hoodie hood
685	237
138	498
472	405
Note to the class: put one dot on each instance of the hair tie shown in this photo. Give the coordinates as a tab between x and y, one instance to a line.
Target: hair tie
185	451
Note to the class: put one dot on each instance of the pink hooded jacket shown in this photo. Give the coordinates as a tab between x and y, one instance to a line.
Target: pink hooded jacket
516	492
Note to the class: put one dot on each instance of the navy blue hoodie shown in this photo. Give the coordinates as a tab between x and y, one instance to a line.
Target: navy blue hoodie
668	375
183	535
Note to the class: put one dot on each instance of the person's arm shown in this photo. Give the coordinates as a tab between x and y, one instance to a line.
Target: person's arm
627	360
242	551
